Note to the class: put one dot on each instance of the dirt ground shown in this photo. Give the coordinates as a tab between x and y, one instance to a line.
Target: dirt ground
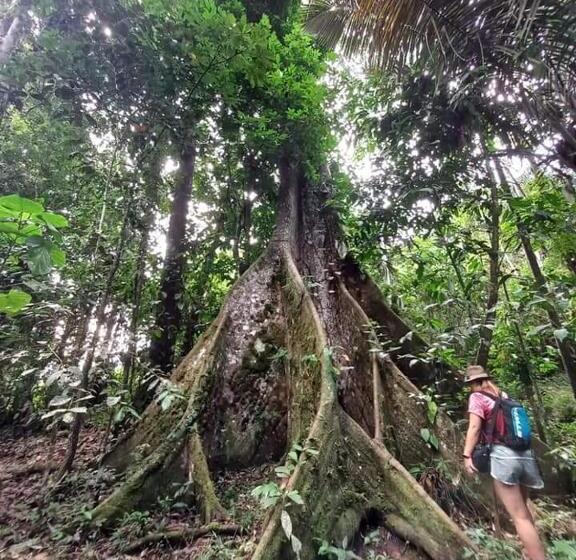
39	521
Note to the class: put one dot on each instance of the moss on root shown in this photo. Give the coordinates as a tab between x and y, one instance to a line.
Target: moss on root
352	473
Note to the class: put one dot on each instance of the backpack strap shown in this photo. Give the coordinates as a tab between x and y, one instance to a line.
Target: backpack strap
491	423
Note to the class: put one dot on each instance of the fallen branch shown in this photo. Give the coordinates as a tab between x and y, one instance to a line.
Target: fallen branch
183	535
28	470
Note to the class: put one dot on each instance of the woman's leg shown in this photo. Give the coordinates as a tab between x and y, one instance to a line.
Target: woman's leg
526	497
512	498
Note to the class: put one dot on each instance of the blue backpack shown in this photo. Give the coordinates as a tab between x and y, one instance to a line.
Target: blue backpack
508	424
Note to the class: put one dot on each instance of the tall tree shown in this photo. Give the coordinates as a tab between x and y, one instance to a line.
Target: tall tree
168	318
334	393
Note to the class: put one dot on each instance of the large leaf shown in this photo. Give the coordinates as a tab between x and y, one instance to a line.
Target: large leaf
58	256
55	220
60	400
39	256
9	227
286	523
14	301
20	205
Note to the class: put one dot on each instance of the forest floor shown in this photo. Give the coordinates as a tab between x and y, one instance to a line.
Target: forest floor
39	521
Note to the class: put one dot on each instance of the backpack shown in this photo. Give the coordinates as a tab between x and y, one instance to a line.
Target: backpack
508	424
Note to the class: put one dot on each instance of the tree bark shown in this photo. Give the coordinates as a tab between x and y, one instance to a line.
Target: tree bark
137	290
336	392
168	317
486	330
13	32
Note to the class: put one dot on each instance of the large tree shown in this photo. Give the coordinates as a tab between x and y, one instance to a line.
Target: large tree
334	392
294	359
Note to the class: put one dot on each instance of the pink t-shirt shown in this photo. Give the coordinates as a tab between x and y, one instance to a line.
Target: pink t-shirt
481	405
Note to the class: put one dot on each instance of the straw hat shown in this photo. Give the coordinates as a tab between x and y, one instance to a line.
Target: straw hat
475	373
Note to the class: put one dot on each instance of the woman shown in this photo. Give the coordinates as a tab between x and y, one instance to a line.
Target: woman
513	472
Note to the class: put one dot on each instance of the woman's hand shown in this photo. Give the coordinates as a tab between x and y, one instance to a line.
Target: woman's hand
469	467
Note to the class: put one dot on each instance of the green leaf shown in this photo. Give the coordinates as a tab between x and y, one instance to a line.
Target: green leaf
79	410
55	220
58	256
294	495
296	546
14	301
54	412
284	471
269	501
10	228
39	261
60	400
432	411
537	330
425	434
20	205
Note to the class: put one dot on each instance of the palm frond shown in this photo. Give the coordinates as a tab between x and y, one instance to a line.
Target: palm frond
393	33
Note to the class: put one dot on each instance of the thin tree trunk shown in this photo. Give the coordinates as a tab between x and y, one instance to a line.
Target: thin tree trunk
91	352
85	316
461	282
13	33
110	325
168	317
138	287
533	390
564	344
486	330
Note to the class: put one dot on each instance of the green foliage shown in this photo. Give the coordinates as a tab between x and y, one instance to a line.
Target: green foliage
14	301
337	552
492	546
27	234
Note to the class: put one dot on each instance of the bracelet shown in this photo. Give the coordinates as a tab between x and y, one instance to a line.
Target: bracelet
465	456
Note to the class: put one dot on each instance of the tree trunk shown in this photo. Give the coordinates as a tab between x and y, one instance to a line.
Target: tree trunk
564	344
527	379
137	290
111	323
13	31
336	392
486	330
93	346
168	316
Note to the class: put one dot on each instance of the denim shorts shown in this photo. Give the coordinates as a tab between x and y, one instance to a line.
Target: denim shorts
515	467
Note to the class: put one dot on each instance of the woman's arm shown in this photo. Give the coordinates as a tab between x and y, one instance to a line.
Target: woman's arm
472	437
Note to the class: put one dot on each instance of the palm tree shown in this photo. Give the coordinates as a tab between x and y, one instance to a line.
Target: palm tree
526	47
454	33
